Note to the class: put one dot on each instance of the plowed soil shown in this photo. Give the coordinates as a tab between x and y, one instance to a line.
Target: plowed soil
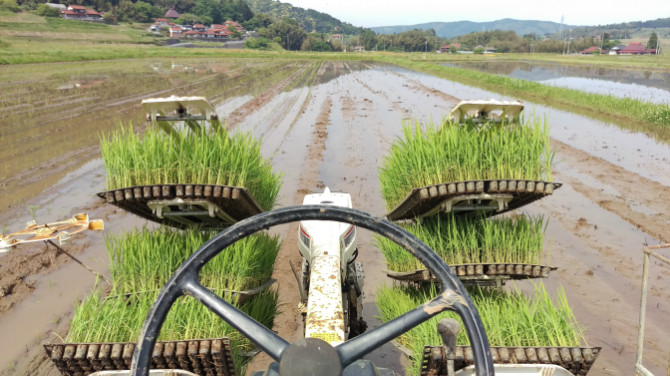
331	124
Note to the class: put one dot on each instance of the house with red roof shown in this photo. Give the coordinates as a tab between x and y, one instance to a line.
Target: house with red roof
239	27
635	48
81	13
447	48
592	50
176	32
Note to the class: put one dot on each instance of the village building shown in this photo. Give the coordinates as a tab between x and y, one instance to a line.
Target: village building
176	32
616	49
447	48
171	13
60	7
635	48
81	13
200	31
592	50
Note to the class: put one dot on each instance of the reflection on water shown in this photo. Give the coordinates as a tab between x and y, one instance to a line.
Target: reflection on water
643	85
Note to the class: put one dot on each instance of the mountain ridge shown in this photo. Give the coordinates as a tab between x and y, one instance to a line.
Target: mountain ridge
458	28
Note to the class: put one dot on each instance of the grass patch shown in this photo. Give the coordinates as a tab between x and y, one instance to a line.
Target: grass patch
219	158
510	318
143	261
471	240
457	152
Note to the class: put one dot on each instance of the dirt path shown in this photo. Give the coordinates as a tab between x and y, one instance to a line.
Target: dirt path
336	133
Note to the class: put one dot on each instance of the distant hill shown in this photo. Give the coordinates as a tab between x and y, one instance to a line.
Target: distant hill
308	19
455	29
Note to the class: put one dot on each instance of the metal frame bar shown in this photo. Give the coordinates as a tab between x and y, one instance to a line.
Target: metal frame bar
202	209
492	202
648	251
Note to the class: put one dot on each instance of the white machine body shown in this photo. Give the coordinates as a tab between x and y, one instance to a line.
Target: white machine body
326	248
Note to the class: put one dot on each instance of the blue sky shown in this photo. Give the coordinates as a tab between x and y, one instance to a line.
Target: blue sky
369	13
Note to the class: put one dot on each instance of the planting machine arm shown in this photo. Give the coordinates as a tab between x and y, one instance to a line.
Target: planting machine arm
313	356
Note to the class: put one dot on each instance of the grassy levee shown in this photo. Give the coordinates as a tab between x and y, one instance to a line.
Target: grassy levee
509	318
629	62
625	112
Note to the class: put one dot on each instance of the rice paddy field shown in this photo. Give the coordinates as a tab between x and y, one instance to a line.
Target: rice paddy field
319	120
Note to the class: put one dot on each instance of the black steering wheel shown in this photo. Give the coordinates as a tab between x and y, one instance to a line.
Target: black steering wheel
321	358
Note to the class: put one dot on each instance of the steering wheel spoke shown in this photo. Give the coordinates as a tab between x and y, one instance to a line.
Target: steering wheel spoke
261	336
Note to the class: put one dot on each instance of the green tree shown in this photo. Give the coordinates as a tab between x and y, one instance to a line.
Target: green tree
653	41
257	43
288	31
109	18
188	19
368	39
10	5
47	11
145	12
125	11
259	21
235	33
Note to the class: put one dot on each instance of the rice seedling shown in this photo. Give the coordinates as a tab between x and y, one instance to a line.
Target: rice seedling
458	152
509	318
144	260
471	240
220	158
120	319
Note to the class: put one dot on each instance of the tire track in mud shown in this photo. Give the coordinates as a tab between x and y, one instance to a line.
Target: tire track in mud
289	323
597	248
418	86
395	104
632	190
242	112
353	168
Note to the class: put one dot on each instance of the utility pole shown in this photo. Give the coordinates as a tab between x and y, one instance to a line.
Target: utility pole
426	46
602	39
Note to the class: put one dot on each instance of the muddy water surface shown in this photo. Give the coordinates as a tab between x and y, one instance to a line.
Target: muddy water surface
330	124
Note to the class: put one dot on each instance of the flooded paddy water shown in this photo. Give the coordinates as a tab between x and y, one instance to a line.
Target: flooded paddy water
321	124
648	86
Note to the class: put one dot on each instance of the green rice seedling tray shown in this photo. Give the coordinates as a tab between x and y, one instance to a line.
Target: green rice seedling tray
186	205
489	196
200	356
479	274
577	360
